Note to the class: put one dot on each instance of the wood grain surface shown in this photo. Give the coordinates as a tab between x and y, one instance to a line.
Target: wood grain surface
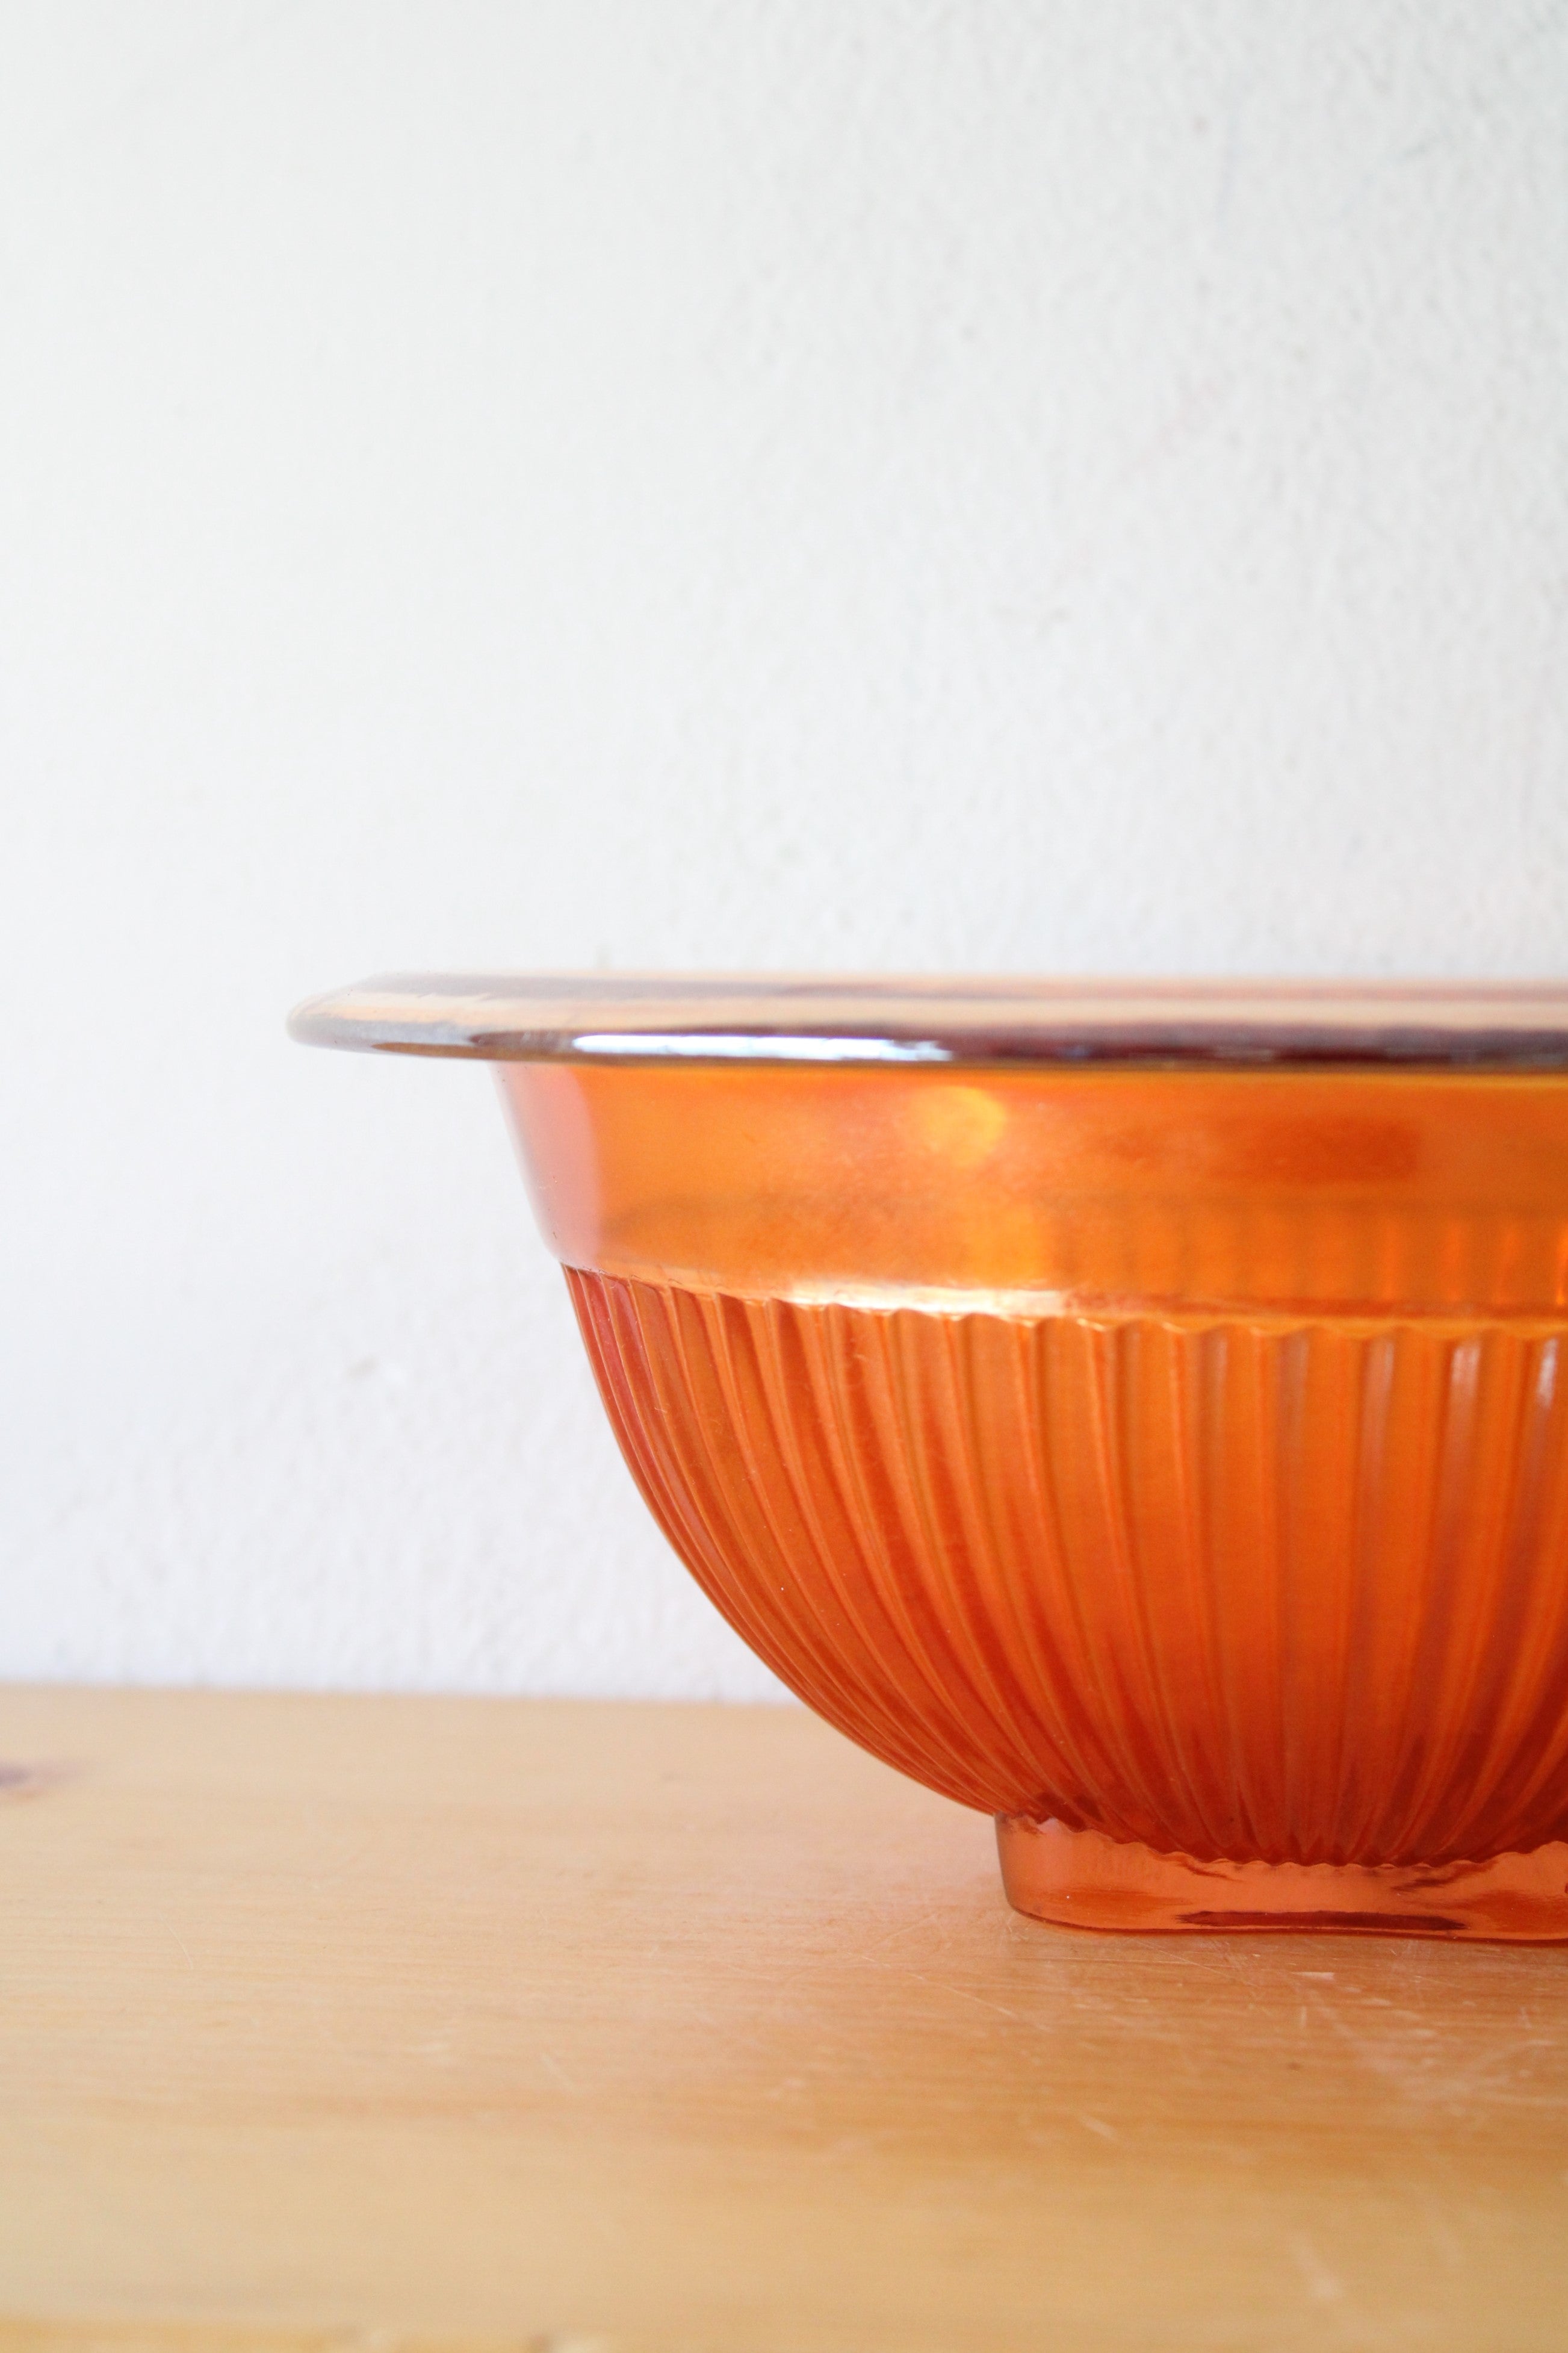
339	2025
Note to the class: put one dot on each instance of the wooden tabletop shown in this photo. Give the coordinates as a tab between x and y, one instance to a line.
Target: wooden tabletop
606	2028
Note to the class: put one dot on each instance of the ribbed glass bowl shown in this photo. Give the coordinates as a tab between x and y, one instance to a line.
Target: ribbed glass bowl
1139	1412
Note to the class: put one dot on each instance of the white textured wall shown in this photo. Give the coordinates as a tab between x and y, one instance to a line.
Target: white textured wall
1064	484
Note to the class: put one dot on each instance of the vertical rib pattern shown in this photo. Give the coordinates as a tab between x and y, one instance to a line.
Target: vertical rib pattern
1234	1585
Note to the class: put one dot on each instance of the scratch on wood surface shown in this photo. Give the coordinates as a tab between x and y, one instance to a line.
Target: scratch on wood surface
1323	2286
551	2066
20	2334
981	2001
1097	2124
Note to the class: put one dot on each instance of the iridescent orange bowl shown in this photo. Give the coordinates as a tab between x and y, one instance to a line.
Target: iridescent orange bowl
1136	1411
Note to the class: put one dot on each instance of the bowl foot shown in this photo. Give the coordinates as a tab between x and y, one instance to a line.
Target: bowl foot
1085	1880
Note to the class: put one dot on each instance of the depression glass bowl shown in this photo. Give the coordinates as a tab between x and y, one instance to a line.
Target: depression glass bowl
1137	1411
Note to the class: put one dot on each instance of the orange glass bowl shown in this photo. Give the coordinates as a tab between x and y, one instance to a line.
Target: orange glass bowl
1137	1411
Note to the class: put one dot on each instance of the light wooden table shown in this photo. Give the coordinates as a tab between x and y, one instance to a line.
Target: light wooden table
332	2023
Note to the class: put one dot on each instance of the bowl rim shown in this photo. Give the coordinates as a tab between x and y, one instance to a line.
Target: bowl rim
772	1018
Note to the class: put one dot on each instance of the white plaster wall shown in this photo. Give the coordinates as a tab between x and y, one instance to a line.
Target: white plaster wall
1071	485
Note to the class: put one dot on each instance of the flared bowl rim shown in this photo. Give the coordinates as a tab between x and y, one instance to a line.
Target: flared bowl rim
772	1018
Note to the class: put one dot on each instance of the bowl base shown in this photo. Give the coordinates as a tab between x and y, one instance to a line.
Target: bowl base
1082	1879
